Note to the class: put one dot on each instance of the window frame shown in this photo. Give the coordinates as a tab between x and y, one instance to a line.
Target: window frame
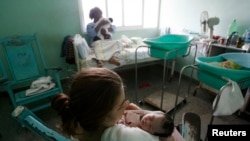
123	27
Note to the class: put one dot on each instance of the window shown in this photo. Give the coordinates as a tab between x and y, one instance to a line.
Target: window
127	14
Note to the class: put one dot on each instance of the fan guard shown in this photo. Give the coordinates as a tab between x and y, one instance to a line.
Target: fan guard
203	22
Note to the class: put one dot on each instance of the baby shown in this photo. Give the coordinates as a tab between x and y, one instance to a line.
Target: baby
155	122
104	32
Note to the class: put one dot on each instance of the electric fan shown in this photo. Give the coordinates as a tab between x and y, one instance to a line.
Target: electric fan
203	22
207	22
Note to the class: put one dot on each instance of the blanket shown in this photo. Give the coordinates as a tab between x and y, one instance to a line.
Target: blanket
105	49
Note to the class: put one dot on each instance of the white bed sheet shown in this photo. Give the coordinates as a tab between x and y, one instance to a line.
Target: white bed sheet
126	57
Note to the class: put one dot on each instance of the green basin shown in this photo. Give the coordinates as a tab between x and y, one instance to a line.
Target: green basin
165	47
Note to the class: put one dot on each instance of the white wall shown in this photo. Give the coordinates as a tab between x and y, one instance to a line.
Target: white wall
186	13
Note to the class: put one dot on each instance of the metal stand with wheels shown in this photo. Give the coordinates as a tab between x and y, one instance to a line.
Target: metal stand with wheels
170	98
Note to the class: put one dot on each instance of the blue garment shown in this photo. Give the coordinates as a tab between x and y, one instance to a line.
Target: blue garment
92	33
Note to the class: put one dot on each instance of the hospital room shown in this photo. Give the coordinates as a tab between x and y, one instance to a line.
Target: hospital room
185	63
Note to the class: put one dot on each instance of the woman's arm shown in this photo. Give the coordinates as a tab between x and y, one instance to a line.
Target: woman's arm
133	106
91	31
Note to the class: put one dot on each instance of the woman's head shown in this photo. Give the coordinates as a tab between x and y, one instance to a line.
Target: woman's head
95	13
96	99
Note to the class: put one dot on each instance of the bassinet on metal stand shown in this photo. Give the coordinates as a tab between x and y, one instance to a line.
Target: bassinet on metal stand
167	50
216	77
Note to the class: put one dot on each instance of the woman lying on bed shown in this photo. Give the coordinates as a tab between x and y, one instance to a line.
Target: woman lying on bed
104	48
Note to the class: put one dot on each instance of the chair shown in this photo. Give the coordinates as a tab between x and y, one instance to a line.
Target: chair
3	78
3	75
26	63
29	120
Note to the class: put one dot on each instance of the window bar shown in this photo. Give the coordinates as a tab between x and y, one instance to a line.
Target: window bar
123	23
159	14
106	6
142	19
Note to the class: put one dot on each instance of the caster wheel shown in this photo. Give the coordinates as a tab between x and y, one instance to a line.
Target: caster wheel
194	93
185	101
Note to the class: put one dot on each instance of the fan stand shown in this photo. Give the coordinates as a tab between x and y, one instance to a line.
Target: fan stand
211	22
211	32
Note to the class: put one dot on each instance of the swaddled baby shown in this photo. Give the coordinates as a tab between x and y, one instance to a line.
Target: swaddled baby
155	122
104	32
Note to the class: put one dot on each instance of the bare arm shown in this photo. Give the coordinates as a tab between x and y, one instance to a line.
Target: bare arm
133	106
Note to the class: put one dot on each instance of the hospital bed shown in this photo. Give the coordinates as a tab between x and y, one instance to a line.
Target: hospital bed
228	74
84	55
163	49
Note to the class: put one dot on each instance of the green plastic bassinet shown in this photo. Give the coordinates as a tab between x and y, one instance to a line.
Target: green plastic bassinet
166	43
211	74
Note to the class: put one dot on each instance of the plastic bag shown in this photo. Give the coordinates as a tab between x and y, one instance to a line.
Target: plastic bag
82	46
230	100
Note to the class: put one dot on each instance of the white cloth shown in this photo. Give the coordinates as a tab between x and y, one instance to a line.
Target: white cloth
230	100
142	53
82	46
105	27
128	42
121	132
131	118
40	85
105	49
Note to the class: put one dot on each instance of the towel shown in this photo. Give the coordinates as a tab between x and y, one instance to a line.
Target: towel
230	100
40	85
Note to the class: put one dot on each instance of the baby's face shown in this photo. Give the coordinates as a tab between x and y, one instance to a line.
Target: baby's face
153	122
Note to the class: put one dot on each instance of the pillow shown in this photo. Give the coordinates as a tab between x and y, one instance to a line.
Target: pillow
82	46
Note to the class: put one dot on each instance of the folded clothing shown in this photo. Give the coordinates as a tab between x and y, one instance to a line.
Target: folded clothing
40	85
